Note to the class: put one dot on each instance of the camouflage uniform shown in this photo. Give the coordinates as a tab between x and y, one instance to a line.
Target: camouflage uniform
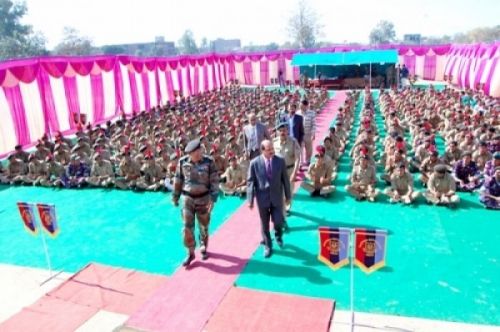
199	184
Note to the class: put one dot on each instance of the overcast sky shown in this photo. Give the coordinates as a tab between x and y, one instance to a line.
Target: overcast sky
253	21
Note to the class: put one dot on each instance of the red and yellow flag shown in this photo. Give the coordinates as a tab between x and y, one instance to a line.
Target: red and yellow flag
27	212
48	219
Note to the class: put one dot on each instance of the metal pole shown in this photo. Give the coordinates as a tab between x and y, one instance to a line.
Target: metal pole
47	256
352	280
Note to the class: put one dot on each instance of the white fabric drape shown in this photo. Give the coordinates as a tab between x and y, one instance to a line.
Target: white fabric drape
7	130
60	103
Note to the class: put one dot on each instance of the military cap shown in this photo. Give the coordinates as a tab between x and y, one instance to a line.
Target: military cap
282	125
440	168
192	146
320	149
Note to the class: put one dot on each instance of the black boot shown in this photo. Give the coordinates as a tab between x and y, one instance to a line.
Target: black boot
188	259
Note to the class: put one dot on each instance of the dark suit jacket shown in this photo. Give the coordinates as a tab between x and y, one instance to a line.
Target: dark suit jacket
268	193
262	134
298	128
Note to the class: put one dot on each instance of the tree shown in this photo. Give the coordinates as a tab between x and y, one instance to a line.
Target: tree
303	26
113	49
204	46
73	43
187	43
383	33
272	47
17	39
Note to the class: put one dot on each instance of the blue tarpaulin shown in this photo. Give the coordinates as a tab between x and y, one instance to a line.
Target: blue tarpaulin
345	58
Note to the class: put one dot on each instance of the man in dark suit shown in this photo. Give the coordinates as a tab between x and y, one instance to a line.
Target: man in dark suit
296	124
267	180
253	135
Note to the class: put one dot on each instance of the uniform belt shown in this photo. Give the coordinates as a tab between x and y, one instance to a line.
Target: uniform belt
290	166
186	193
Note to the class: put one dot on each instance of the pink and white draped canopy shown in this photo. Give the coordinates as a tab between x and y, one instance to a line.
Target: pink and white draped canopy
41	95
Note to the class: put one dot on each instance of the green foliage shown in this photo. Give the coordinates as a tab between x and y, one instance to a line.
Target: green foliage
73	43
187	43
383	33
303	26
18	40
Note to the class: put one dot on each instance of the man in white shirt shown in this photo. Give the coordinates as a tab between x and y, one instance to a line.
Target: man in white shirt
309	129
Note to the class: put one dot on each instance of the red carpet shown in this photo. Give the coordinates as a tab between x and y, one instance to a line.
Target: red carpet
191	296
95	287
254	311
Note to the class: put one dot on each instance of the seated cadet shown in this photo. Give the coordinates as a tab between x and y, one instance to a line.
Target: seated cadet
427	167
491	165
55	173
482	155
101	174
363	181
129	172
452	154
490	193
3	174
37	171
441	187
19	153
77	173
392	163
401	189
152	177
236	178
466	173
16	170
320	175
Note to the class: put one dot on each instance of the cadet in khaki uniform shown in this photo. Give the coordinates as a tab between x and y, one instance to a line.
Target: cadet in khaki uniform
441	187
427	167
101	174
129	172
55	173
401	189
320	174
236	179
152	178
288	148
16	170
363	181
196	178
37	171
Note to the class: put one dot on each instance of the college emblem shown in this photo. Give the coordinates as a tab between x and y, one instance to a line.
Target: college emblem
334	246
370	248
27	213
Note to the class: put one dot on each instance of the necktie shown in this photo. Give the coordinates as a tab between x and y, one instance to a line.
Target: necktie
269	171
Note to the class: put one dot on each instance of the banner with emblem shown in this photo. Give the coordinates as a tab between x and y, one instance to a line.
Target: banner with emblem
334	246
48	219
370	248
27	212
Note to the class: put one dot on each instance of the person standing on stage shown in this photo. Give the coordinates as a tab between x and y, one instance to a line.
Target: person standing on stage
253	135
196	178
267	181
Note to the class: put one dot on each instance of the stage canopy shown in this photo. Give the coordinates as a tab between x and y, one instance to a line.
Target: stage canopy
345	58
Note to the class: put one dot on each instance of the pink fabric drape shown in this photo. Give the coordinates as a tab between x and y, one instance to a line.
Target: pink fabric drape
429	67
157	87
205	78
479	72
214	76
196	85
180	80
47	99
487	84
232	70
97	89
409	61
188	80
170	85
248	72
18	113
264	73
222	73
72	99
136	107
118	89
296	73
145	89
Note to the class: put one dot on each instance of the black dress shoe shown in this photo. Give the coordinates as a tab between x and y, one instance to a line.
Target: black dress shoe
188	260
280	243
268	252
262	242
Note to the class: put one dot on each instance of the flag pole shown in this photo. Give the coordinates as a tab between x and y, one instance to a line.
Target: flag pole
352	280
47	256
